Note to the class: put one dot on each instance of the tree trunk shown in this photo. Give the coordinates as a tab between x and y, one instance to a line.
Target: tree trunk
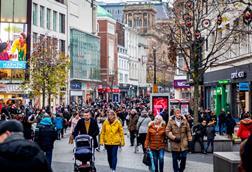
43	97
196	102
49	101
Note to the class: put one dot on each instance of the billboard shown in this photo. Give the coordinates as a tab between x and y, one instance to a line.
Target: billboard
159	102
13	46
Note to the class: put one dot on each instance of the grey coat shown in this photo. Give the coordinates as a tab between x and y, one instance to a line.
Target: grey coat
144	125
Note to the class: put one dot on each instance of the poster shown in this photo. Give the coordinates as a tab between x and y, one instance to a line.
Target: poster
184	109
159	103
13	46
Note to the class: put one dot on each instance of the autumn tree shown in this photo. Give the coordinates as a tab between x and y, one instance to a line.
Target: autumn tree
48	69
203	32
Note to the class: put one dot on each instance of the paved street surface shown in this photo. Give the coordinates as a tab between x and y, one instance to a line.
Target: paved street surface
128	161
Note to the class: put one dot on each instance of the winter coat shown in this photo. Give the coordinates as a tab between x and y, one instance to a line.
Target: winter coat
210	132
112	134
143	123
47	134
58	121
183	132
93	129
199	130
230	123
18	154
245	128
133	123
155	139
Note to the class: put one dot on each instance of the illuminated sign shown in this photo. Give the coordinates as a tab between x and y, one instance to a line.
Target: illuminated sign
13	64
159	103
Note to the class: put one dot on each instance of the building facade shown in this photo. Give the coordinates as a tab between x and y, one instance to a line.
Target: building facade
84	47
137	52
106	28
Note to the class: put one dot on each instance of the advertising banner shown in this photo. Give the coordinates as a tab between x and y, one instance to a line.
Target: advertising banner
184	109
159	102
181	84
13	46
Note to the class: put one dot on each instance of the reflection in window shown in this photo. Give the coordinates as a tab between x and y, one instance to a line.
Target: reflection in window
42	16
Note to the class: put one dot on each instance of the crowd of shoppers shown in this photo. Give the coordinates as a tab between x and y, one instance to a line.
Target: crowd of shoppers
105	122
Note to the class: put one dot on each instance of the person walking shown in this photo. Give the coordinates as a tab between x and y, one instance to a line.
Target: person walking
199	132
142	128
245	128
178	130
222	121
87	125
46	135
74	120
58	121
112	137
230	123
155	141
210	133
18	154
133	126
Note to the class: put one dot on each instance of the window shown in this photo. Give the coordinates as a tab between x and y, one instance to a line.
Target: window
34	14
60	1
121	77
54	20
48	19
62	46
35	37
126	78
42	16
61	23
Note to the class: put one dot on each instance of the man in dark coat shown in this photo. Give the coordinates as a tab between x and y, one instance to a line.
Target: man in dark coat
199	131
46	135
18	154
87	125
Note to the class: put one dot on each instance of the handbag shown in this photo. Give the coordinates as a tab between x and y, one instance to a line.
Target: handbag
146	158
71	138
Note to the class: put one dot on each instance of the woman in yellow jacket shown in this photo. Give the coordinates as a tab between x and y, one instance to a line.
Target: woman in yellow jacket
112	137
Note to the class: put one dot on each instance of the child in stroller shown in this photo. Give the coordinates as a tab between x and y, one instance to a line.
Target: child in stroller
84	154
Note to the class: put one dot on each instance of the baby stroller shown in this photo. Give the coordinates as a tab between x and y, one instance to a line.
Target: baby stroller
84	154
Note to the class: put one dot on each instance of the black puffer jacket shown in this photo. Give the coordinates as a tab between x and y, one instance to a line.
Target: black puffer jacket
17	154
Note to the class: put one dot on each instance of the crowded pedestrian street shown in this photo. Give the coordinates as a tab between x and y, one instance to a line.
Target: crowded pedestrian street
128	161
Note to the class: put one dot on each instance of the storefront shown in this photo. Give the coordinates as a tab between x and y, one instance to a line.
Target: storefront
229	89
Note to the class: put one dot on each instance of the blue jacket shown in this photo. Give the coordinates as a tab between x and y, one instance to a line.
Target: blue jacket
58	121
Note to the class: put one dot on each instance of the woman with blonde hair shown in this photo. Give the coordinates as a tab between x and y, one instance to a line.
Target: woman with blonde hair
112	137
155	141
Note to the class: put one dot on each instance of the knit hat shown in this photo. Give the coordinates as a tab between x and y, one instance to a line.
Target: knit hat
11	126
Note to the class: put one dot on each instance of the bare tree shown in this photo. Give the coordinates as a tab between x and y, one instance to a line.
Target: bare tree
203	32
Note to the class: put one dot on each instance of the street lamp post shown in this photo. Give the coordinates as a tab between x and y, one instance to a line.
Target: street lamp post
155	87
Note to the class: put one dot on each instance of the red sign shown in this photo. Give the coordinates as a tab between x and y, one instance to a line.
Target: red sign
108	90
159	103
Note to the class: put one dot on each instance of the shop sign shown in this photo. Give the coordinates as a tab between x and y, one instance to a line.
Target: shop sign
75	85
244	86
223	81
238	75
11	88
181	84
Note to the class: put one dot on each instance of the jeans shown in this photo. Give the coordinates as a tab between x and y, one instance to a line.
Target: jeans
132	137
141	140
112	155
48	155
198	139
179	156
210	141
58	133
221	126
158	157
